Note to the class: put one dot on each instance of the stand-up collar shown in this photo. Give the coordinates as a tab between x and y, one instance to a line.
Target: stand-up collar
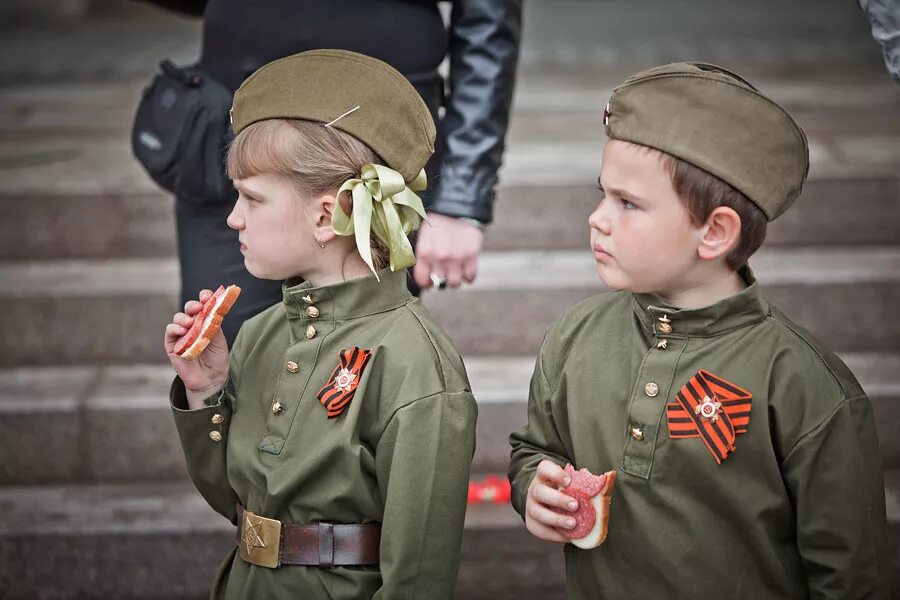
350	299
744	308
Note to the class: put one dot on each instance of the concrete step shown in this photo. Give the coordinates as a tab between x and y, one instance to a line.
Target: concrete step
568	34
844	295
150	541
64	312
572	34
113	225
555	218
113	424
64	100
74	190
162	541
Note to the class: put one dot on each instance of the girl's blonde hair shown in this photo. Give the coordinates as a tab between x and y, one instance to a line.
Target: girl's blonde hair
315	159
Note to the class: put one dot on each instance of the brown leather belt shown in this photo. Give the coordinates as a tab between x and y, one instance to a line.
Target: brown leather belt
271	543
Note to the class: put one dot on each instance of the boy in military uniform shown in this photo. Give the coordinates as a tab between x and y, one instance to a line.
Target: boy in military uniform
338	432
747	458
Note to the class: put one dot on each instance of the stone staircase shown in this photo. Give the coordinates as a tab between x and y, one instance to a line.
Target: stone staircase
94	497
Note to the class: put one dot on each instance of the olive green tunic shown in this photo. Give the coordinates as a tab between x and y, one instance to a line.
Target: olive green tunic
796	511
398	455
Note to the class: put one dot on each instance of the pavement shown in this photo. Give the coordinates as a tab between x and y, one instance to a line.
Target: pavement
91	465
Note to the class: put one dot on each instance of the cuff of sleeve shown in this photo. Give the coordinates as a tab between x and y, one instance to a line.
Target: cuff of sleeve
466	193
209	423
178	397
520	494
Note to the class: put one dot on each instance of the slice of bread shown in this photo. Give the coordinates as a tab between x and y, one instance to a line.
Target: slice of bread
601	503
207	322
593	494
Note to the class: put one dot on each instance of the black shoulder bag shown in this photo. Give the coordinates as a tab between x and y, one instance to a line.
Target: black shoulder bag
181	133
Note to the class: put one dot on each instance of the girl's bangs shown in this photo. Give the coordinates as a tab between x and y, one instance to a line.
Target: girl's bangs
260	148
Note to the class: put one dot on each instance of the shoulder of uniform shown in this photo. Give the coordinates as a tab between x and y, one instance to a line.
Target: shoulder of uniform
802	353
418	352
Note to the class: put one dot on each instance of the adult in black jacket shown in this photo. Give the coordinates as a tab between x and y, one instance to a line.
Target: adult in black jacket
482	42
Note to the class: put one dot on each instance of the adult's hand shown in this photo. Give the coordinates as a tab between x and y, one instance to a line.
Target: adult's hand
449	248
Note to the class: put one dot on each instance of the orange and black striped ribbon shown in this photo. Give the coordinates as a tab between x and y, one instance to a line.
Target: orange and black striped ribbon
718	435
334	397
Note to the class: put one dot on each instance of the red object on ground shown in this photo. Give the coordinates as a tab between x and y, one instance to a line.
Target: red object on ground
493	489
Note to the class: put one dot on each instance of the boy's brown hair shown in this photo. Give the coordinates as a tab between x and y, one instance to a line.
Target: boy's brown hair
315	159
701	193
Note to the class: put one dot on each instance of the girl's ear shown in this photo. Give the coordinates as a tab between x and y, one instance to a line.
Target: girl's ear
721	234
324	211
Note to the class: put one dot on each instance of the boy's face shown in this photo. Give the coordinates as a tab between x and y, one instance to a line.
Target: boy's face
275	232
641	233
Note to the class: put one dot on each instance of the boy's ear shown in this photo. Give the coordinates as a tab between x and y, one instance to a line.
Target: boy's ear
721	233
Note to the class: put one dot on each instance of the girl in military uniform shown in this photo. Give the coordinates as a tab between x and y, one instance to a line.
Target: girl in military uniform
338	432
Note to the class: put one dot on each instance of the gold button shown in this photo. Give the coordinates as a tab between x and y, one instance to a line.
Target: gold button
312	311
277	408
665	325
292	366
217	419
310	332
215	436
308	299
637	433
662	344
651	389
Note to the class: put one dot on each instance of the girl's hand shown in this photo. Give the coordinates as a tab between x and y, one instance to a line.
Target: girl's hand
207	373
544	493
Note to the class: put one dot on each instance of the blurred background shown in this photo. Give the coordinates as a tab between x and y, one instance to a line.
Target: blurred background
94	498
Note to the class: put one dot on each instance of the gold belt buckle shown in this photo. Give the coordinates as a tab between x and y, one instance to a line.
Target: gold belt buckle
260	540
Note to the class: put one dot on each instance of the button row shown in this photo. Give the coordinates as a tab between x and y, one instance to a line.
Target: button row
312	312
217	419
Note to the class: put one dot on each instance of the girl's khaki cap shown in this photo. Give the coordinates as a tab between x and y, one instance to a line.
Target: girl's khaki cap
715	120
322	85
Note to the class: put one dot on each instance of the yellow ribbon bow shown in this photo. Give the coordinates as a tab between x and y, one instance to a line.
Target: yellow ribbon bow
385	204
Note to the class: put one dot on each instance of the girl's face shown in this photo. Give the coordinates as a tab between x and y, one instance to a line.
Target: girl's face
641	233
276	231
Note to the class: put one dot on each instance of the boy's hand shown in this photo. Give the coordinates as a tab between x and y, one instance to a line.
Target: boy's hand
544	493
207	373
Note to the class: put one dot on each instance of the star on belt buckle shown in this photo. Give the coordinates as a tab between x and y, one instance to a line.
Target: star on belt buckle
260	540
709	409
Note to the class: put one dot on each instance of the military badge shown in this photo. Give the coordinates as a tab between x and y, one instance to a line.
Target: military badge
709	409
712	409
341	386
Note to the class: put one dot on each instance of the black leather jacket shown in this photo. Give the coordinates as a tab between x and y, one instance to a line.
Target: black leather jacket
483	48
484	52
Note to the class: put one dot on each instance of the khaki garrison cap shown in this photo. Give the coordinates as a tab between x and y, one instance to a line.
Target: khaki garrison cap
323	85
713	119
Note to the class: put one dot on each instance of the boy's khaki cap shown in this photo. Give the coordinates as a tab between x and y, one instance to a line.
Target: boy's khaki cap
321	85
715	120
